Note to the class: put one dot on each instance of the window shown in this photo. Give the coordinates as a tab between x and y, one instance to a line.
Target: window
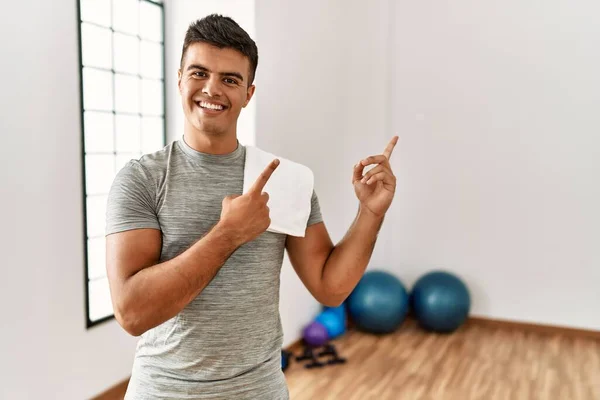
123	115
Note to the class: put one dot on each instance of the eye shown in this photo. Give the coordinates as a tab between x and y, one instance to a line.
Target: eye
231	81
199	74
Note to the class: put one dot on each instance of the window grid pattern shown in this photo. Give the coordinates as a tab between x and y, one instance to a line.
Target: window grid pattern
123	115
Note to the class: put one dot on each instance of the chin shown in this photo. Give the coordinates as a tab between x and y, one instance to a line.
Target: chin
210	129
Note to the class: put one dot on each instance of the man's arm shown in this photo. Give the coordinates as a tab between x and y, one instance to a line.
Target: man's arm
329	272
146	293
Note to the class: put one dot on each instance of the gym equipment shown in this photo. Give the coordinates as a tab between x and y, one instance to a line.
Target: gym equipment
333	323
379	303
329	350
440	301
315	334
309	354
285	359
340	311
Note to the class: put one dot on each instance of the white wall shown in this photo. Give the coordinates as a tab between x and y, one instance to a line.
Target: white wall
46	351
497	106
497	162
322	101
178	16
497	165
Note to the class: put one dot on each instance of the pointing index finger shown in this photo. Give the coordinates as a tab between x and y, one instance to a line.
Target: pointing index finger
263	178
390	147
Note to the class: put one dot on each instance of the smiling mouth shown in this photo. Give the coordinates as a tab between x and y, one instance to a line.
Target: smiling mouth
210	106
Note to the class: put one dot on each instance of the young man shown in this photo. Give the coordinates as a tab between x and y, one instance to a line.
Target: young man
192	269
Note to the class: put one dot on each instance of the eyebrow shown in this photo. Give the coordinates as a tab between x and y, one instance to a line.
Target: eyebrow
203	68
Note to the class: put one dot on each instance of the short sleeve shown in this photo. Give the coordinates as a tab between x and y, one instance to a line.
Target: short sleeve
131	200
315	211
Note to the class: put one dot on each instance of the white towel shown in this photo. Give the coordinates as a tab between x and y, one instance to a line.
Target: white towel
290	190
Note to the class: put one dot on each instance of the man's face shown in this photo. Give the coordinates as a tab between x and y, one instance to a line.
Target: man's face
214	87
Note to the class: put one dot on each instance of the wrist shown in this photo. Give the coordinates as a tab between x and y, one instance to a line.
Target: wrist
367	215
228	233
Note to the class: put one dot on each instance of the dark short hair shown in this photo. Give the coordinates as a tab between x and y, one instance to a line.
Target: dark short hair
222	32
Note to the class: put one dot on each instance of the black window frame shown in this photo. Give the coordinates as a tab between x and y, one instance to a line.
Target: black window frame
89	322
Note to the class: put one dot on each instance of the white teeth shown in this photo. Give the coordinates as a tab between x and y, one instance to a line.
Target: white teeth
211	106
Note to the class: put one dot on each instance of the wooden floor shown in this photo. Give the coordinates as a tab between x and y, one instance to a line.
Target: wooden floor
476	362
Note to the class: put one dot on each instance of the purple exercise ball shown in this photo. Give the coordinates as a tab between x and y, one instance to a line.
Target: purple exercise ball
315	334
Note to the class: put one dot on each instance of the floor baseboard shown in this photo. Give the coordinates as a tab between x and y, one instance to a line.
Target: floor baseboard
534	327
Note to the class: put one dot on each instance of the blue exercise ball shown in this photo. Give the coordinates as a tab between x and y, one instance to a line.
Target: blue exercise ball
332	322
440	301
379	303
340	311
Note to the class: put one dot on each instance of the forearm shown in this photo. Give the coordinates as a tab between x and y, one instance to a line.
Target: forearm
347	262
157	293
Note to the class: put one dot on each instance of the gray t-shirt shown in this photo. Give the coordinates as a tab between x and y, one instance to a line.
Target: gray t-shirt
225	344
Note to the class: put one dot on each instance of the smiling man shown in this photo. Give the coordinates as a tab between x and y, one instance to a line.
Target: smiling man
192	268
215	84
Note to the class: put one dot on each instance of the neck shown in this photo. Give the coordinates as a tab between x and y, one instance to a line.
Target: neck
210	143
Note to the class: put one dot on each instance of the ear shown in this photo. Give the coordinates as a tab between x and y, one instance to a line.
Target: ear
249	94
179	80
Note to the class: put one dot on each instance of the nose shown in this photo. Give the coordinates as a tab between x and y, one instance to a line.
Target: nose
212	86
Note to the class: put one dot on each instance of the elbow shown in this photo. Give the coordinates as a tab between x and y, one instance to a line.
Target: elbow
331	296
332	303
332	300
129	320
130	324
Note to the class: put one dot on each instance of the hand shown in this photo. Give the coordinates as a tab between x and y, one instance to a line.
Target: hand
247	216
375	190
